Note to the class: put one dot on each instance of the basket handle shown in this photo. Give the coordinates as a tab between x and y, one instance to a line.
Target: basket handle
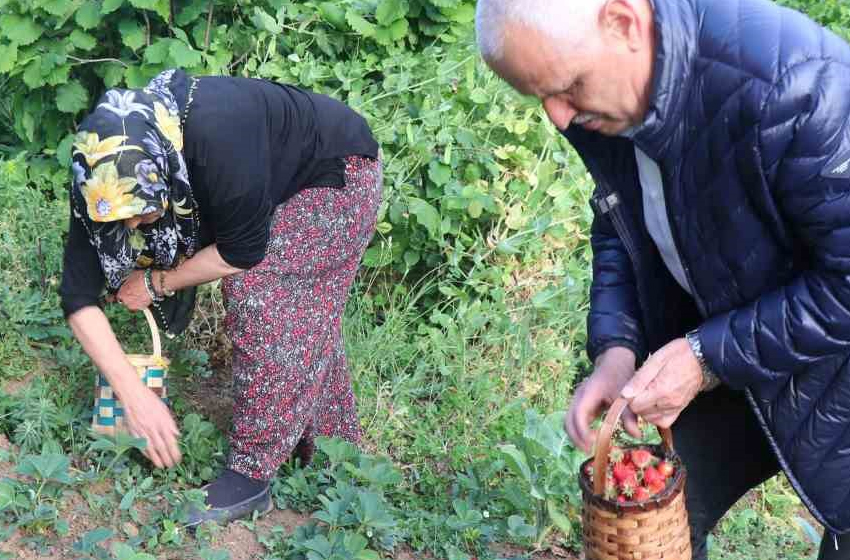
157	344
603	443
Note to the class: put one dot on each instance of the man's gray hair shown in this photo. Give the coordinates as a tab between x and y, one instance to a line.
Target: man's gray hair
566	20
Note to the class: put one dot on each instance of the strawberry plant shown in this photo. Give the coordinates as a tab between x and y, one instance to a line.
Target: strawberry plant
544	464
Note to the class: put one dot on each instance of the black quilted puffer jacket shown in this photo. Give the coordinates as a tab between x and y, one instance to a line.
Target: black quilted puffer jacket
750	125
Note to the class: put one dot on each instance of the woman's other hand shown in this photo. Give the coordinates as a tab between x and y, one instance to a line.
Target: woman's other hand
133	293
148	417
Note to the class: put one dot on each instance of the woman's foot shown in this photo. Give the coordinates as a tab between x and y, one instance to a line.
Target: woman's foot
232	496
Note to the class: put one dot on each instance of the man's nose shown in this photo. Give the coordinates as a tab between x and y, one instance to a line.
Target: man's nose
560	112
133	222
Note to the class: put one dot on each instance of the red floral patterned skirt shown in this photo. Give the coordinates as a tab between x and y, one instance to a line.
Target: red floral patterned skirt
291	381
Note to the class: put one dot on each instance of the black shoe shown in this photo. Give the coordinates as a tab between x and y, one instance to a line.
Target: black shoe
261	502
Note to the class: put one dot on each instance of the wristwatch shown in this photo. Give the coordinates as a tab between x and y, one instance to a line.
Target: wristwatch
709	379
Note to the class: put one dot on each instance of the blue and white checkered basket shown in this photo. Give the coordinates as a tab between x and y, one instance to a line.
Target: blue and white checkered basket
108	414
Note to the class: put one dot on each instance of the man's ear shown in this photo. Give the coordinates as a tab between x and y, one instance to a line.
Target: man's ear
621	22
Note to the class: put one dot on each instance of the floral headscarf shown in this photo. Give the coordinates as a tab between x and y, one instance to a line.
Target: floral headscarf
128	161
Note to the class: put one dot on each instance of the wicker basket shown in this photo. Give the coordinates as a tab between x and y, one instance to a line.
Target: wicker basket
656	529
108	414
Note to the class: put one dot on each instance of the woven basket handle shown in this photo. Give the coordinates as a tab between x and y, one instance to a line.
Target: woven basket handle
603	443
157	344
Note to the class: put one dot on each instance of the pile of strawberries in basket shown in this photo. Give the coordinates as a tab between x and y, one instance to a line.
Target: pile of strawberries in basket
634	475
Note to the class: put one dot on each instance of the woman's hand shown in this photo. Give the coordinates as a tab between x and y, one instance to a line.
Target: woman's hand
133	293
148	417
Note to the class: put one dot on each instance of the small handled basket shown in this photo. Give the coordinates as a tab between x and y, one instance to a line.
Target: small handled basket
108	415
656	529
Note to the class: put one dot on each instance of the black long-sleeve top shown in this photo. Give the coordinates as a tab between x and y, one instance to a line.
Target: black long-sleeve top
249	146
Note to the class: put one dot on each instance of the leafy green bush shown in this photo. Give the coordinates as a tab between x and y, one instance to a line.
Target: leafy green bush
469	168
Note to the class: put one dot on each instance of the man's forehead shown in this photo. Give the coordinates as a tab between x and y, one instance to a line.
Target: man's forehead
532	65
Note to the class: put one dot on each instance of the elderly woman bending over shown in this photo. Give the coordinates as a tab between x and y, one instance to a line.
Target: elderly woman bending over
272	188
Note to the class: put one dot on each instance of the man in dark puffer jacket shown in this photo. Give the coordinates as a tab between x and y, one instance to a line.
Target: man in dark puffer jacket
718	136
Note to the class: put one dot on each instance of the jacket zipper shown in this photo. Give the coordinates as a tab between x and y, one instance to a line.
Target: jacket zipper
607	204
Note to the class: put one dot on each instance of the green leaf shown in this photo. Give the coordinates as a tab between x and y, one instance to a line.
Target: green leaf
33	76
132	34
439	173
47	466
547	432
516	462
475	209
8	57
394	32
139	76
158	51
463	13
110	6
56	8
359	24
183	56
71	97
152	5
334	14
191	12
91	538
390	10
561	521
518	528
82	40
426	215
7	494
337	450
19	30
128	499
264	22
479	96
63	150
112	74
88	15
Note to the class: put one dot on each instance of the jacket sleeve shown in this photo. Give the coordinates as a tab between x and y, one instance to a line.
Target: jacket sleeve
614	318
804	138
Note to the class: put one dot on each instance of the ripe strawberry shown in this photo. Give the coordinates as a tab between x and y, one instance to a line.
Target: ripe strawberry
628	485
622	499
588	470
623	471
641	494
652	476
641	458
666	469
657	487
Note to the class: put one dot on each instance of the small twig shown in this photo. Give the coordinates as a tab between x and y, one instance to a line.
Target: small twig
42	266
171	15
239	61
148	28
92	60
209	25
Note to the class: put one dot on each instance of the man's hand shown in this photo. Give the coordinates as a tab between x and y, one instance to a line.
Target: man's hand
614	368
149	418
665	385
133	293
